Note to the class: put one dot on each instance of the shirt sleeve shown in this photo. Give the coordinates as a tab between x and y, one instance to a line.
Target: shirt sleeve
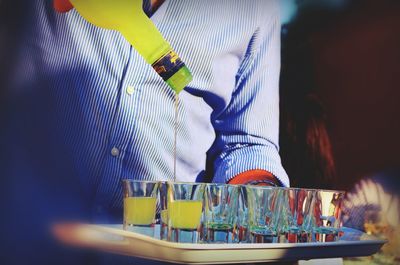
247	131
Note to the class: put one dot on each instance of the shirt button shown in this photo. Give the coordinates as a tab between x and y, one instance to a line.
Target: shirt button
115	151
130	90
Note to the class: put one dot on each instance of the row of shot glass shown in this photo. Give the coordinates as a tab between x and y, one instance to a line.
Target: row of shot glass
223	213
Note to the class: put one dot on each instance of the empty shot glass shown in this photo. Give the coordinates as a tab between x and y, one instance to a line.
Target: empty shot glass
220	213
185	209
327	215
140	200
264	212
242	231
296	215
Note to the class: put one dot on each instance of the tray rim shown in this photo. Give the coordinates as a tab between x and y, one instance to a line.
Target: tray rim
231	246
113	239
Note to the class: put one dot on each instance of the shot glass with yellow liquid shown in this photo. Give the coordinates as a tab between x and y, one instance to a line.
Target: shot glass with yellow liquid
140	201
185	208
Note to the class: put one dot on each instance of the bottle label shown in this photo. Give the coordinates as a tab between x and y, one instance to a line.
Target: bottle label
168	65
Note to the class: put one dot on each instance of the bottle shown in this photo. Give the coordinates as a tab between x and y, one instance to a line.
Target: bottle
127	17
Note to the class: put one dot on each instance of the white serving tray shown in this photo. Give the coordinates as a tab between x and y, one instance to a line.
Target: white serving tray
112	238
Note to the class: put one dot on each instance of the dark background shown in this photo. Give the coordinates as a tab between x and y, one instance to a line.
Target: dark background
349	57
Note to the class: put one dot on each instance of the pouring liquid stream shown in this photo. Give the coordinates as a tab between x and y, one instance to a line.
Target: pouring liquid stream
176	102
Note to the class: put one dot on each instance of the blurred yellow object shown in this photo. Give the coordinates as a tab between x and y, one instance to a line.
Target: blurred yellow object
164	216
139	210
127	17
374	228
392	234
185	214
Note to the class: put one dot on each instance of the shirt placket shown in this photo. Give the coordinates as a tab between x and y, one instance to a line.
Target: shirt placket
119	137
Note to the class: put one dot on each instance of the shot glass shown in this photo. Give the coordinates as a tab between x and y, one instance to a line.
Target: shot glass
185	209
163	210
140	200
220	213
242	232
264	212
327	215
296	215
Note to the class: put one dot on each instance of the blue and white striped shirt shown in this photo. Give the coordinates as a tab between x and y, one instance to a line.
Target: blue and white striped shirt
105	115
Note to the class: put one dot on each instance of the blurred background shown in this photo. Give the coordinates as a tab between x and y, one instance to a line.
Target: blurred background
340	109
340	92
